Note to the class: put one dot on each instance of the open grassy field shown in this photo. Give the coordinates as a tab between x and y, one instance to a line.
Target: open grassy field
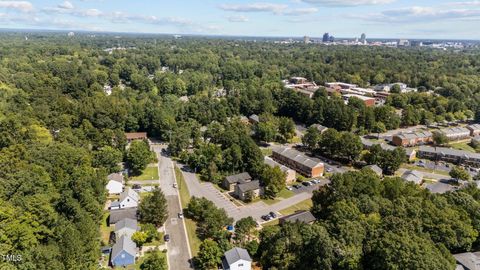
150	173
463	146
304	205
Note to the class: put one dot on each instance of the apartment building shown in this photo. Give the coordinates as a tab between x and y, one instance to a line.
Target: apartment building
307	166
290	175
449	155
456	133
369	101
412	139
474	130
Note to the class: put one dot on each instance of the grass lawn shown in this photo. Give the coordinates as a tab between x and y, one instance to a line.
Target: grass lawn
463	146
140	261
304	205
421	169
189	224
105	230
271	223
150	173
285	193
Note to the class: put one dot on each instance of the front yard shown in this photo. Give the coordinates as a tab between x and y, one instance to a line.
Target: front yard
150	173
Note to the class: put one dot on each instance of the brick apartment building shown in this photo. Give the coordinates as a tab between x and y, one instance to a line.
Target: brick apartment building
307	166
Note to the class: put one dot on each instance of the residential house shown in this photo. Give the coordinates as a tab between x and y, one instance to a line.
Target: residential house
299	216
126	227
439	187
467	261
413	176
123	252
375	169
243	191
290	175
118	214
474	130
237	259
115	183
254	119
231	181
320	128
456	133
136	136
308	166
129	198
412	139
449	155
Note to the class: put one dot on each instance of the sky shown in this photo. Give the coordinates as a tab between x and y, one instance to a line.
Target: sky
425	19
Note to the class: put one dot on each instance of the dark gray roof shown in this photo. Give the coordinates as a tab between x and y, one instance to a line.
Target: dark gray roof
272	163
415	135
126	223
474	127
440	187
126	244
235	254
469	260
300	216
297	156
239	178
118	214
453	131
449	151
116	177
249	186
375	169
368	143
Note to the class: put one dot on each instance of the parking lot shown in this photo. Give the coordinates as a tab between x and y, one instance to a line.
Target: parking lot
302	188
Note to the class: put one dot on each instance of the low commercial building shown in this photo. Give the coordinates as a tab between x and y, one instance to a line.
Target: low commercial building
301	85
340	85
136	136
474	129
249	190
449	155
300	216
307	166
456	133
124	252
237	259
369	101
231	181
290	175
412	139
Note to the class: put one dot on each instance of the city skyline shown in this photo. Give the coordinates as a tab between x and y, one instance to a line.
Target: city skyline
423	19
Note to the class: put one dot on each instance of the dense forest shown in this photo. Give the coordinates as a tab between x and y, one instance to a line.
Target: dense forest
60	134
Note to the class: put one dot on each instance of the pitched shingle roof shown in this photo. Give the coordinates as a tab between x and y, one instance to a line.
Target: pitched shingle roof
375	169
272	163
126	223
235	254
129	193
300	216
469	260
239	178
118	177
450	152
298	157
118	214
124	244
413	176
249	186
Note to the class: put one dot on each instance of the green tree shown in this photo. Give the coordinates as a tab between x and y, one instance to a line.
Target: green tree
109	158
244	228
311	138
460	173
139	238
286	128
153	208
440	138
138	156
273	180
154	261
209	255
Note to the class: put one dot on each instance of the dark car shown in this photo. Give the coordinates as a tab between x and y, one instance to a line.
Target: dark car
306	184
166	238
296	186
273	215
266	217
136	186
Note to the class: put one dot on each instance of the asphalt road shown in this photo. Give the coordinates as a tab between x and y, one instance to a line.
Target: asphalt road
255	210
179	254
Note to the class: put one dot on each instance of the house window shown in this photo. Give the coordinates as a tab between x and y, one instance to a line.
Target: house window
240	265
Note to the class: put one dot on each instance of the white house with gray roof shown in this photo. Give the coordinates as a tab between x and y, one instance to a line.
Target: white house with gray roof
237	259
128	199
126	227
115	183
413	176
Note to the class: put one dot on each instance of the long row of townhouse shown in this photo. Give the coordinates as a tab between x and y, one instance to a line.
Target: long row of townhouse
425	137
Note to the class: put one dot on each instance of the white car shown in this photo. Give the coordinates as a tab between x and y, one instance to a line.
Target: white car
174	185
289	188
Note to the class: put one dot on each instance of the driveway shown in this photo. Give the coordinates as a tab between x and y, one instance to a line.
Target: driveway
255	210
179	254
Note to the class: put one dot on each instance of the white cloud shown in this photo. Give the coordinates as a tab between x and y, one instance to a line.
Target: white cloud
66	5
345	3
237	18
255	7
300	11
23	6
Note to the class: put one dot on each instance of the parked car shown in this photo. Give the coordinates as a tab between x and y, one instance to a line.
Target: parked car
273	215
289	188
307	184
180	215
174	185
136	187
329	170
266	217
296	186
166	238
